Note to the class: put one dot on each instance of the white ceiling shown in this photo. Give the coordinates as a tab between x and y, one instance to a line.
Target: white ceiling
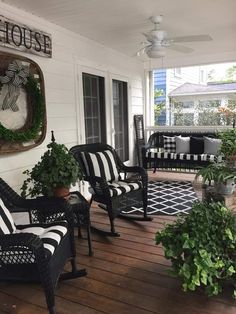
119	24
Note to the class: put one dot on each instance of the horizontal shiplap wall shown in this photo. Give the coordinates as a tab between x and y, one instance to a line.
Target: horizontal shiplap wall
69	51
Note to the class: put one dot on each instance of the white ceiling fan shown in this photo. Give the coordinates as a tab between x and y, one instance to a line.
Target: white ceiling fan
158	41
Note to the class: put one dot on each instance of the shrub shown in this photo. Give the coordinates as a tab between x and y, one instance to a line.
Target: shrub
202	247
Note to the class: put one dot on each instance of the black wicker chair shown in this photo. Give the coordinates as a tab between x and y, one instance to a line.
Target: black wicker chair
113	185
36	252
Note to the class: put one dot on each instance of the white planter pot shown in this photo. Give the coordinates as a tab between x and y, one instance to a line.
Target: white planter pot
225	188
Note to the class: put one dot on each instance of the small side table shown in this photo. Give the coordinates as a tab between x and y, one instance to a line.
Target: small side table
81	210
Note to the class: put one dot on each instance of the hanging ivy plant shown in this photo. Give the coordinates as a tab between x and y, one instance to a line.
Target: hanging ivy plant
38	109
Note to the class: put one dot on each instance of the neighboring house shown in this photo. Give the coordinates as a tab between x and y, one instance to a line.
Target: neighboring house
170	79
195	104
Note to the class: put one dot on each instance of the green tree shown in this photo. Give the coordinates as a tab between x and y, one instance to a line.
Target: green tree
211	75
231	73
158	107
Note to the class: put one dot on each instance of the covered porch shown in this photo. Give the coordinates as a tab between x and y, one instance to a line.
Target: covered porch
126	275
96	42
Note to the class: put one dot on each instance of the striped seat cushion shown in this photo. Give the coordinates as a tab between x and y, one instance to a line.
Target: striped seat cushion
50	235
7	225
120	187
154	153
101	164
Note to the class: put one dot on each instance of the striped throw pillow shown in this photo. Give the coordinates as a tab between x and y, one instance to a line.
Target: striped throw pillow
6	221
101	164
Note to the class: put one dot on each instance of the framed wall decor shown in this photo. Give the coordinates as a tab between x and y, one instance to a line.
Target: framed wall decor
22	104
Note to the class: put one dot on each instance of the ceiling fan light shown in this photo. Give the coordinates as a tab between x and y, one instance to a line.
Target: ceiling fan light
156	53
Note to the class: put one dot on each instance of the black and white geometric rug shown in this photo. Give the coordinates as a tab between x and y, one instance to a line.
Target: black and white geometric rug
168	198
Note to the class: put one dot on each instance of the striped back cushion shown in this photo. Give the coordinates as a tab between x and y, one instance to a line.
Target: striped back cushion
101	164
6	221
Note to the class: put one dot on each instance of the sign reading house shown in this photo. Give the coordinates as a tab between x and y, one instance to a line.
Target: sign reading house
18	36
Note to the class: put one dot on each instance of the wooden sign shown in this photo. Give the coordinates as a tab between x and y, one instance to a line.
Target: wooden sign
21	37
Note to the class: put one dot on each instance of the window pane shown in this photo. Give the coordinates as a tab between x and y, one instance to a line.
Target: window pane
94	108
120	111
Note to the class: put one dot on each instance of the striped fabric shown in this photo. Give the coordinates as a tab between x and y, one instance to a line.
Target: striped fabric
50	235
7	225
120	187
153	153
101	164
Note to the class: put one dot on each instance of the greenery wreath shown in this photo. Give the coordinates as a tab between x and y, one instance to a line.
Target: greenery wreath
37	116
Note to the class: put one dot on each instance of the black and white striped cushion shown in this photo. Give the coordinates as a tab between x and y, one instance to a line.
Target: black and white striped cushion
101	164
7	225
50	235
121	187
154	153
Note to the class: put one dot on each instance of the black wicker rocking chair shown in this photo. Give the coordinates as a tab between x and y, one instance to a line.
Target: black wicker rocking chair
113	185
36	252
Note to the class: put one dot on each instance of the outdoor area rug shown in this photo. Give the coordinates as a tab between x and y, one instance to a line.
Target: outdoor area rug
168	198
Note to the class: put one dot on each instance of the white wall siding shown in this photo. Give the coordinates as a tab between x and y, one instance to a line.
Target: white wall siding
63	95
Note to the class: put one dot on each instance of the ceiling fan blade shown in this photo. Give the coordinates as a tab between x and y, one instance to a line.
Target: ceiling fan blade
180	48
142	51
183	39
148	37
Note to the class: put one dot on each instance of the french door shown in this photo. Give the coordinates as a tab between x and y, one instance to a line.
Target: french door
94	108
120	111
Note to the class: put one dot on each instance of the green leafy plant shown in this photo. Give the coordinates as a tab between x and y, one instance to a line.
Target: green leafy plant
217	172
202	247
228	145
57	168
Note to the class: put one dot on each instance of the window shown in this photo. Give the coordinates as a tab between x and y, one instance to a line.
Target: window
183	119
202	76
120	109
185	104
94	108
178	72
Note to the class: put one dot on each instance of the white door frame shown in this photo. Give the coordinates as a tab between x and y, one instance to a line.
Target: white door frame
113	76
80	69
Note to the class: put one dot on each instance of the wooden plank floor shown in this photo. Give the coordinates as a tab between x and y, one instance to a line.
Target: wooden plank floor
126	275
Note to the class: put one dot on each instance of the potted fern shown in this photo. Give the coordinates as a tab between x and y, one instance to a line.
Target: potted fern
223	176
53	174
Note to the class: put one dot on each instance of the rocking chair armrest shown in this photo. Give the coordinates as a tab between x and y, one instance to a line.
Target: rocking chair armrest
47	206
15	241
98	183
136	170
43	203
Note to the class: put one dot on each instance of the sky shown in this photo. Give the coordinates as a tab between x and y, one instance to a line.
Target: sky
220	69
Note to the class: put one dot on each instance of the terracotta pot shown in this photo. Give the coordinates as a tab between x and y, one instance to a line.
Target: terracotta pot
61	191
232	160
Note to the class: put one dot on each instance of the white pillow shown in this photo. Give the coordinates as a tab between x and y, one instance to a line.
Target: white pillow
211	145
182	144
6	221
